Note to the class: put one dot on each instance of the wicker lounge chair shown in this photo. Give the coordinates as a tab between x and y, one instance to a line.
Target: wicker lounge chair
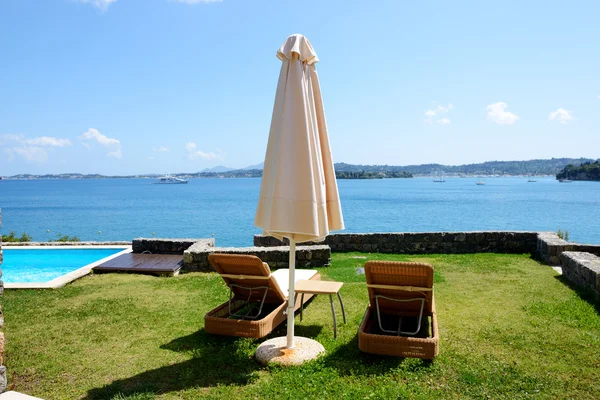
400	319
257	298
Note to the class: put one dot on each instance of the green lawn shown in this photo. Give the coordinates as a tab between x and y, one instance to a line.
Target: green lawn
509	328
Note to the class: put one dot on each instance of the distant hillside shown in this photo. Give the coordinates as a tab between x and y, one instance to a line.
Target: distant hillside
587	171
531	167
218	168
349	171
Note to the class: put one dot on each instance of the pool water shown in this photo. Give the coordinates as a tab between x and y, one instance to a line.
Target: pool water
41	265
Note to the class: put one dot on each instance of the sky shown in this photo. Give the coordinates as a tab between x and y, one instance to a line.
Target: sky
166	86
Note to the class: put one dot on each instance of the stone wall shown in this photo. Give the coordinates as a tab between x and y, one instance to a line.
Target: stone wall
550	247
425	242
196	257
583	270
168	246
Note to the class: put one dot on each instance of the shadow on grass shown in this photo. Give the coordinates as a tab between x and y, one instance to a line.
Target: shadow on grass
584	294
309	331
349	360
216	360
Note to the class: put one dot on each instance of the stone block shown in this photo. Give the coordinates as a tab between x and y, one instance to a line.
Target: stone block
460	237
583	270
167	246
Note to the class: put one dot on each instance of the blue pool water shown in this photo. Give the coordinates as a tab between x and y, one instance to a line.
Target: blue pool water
46	264
123	209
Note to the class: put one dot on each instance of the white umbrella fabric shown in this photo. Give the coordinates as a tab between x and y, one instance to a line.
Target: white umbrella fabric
299	198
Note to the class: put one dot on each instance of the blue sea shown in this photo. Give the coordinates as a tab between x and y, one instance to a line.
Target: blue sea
123	209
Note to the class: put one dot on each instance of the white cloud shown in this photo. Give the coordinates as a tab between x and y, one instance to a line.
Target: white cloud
561	115
30	153
42	141
101	5
92	135
49	141
497	114
437	111
197	1
193	153
115	154
442	109
161	149
31	149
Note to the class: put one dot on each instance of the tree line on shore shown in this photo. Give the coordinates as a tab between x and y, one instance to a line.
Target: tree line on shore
371	175
587	171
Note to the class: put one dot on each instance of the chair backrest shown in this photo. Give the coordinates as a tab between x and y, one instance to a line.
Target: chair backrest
239	269
400	280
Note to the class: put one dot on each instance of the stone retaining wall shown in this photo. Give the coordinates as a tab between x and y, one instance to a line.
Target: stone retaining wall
550	247
424	242
168	246
196	257
583	270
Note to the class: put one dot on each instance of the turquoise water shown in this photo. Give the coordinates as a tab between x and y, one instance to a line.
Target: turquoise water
42	265
123	209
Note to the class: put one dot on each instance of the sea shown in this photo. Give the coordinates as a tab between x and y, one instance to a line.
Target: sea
124	209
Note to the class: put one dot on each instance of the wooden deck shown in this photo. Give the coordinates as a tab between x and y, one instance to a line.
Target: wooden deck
158	264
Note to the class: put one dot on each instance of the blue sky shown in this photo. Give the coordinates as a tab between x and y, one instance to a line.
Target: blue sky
161	86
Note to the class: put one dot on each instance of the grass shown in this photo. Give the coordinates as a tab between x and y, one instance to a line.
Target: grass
509	328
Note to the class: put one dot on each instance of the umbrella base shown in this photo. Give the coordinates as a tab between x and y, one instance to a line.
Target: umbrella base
274	351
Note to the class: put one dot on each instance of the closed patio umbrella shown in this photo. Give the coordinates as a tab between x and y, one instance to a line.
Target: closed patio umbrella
298	196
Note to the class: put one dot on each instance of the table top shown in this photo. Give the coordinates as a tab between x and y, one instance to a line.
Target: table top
318	287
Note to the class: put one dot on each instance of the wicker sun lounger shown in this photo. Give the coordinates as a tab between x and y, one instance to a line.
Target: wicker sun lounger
257	297
400	319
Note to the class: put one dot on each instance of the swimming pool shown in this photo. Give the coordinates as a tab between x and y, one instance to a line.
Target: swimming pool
45	265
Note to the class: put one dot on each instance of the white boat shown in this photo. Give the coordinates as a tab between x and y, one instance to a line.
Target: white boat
170	180
480	183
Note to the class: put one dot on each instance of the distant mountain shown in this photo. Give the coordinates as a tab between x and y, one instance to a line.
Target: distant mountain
218	168
222	168
257	166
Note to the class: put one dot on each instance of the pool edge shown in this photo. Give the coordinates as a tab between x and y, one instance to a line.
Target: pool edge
67	278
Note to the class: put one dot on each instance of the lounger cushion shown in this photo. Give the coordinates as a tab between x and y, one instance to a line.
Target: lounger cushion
282	278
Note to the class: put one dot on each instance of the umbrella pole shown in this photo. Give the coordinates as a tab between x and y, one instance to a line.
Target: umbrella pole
291	296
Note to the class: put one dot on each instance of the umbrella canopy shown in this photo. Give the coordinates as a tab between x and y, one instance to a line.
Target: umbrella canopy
299	198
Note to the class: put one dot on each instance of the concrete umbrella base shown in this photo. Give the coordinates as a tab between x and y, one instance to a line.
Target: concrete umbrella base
274	351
